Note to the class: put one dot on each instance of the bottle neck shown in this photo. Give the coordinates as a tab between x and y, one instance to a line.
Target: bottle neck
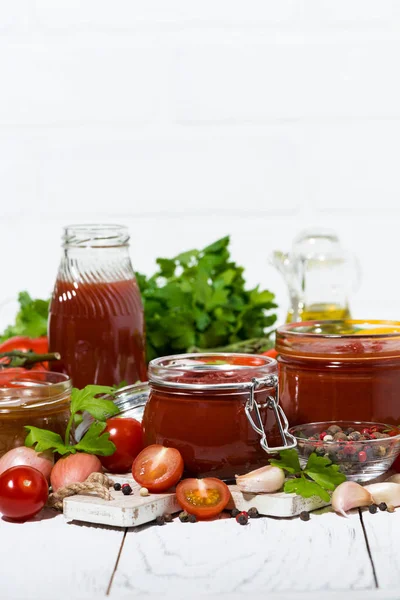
98	264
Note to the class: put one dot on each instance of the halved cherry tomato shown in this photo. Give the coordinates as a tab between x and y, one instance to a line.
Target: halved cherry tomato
205	498
271	353
158	468
23	493
127	435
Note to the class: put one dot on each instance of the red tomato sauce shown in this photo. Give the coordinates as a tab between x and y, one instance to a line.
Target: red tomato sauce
98	328
339	377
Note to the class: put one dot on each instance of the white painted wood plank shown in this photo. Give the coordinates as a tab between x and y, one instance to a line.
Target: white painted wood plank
48	558
267	555
383	532
135	510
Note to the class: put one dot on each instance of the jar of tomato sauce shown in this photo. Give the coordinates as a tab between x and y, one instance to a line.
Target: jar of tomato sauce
37	398
219	410
340	370
96	317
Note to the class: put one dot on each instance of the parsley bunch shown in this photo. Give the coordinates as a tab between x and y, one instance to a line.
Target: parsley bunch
31	320
198	301
318	477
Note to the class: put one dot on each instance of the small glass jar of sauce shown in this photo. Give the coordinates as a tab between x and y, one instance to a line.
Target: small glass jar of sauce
219	410
37	398
340	370
96	317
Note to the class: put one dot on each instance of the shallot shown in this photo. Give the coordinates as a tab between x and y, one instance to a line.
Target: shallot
74	468
28	457
386	491
265	479
350	494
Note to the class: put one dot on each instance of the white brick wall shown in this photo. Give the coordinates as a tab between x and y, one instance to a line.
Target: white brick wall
188	120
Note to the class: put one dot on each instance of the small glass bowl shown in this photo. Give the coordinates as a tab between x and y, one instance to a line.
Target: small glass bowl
360	460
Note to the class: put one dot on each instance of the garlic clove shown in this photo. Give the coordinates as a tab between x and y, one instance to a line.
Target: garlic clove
265	479
394	478
350	494
387	491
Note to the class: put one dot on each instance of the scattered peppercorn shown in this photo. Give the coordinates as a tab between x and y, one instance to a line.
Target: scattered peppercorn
382	506
234	512
192	518
253	513
160	520
126	489
117	487
242	518
168	518
372	508
144	491
183	516
305	515
390	508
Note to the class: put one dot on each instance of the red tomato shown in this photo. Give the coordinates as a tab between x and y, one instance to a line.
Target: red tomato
271	353
205	498
23	493
127	435
158	468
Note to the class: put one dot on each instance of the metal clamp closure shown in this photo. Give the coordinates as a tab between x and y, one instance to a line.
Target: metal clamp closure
289	441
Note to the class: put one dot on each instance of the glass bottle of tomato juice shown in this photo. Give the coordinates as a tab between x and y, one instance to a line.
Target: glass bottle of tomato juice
96	317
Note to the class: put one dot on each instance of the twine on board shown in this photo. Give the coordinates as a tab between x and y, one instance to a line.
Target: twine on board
96	483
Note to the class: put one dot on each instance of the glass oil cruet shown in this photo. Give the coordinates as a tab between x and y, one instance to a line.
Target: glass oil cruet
320	276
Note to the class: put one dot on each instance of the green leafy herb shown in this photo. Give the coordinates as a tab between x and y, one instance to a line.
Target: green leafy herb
318	476
198	300
305	488
31	320
289	461
94	441
42	440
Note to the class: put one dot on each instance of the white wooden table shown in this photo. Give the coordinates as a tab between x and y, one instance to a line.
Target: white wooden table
49	558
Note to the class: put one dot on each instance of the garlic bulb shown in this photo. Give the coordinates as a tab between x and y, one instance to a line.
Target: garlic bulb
388	492
265	479
350	494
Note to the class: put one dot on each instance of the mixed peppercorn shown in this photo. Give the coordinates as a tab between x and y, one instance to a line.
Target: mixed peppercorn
348	447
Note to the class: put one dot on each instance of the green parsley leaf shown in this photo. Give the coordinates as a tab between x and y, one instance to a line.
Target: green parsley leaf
85	400
42	440
323	472
289	461
305	488
31	320
94	442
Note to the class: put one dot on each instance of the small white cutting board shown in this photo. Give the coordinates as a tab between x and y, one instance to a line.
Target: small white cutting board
134	510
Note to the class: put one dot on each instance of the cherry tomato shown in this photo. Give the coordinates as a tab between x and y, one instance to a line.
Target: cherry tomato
127	435
158	468
205	498
23	493
271	353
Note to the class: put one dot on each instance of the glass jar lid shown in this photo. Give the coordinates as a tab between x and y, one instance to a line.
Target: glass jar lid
348	338
211	371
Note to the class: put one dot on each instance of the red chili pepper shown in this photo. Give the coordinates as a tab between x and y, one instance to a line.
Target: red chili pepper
38	345
21	343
